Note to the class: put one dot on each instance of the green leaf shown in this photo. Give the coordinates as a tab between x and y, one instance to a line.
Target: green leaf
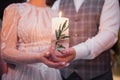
60	46
66	28
60	32
60	27
64	37
56	34
64	25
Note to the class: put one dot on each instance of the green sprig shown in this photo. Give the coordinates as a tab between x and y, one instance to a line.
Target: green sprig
60	35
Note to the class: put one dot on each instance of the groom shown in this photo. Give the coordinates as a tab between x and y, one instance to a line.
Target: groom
93	31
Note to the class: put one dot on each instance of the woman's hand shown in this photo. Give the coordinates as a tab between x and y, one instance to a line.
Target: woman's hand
46	58
65	56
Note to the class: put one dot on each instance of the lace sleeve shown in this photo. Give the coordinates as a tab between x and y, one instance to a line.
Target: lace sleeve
9	38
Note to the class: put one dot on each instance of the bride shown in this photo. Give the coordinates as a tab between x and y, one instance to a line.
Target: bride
26	38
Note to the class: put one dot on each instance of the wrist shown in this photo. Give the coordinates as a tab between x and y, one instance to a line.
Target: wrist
73	52
38	57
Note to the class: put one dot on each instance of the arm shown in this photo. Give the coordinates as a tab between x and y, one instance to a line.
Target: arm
105	39
107	35
9	40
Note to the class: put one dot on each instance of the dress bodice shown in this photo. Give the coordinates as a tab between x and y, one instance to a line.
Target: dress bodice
34	28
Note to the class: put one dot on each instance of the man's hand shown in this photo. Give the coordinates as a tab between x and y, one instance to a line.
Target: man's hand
66	55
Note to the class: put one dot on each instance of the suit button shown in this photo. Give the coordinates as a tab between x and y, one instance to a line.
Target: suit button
76	35
77	19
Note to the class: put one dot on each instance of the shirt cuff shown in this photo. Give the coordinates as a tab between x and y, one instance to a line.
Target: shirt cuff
81	51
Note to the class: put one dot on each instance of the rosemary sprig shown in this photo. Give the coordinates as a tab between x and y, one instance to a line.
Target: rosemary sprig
60	35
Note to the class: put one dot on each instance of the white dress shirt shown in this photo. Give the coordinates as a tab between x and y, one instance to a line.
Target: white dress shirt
77	4
108	30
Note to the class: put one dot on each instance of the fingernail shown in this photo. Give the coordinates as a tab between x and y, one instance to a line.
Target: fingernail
47	53
67	64
63	63
52	47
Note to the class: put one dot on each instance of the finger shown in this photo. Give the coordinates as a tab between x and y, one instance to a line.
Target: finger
52	63
51	49
59	53
64	53
63	66
52	53
54	56
67	64
60	67
47	54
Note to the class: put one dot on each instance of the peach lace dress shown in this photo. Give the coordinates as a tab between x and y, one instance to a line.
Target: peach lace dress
26	29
